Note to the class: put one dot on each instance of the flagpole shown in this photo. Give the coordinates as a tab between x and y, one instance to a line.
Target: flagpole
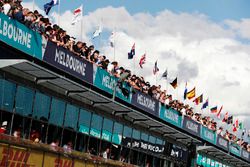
33	5
58	10
114	35
81	23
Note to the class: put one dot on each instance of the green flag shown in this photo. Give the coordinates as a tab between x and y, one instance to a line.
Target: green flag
241	125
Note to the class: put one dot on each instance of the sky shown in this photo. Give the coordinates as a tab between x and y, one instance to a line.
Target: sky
204	43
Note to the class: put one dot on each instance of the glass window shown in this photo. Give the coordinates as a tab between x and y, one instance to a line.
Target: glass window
107	129
41	106
24	100
152	139
117	133
136	134
127	132
71	116
7	95
84	121
96	126
57	112
144	137
158	141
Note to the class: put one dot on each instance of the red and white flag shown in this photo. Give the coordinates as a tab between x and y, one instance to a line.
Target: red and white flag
236	123
77	15
142	60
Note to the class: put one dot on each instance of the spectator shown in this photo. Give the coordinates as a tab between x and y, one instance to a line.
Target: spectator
106	153
6	7
55	145
35	136
68	147
17	133
3	128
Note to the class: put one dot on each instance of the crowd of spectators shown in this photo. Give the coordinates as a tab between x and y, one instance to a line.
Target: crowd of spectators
37	22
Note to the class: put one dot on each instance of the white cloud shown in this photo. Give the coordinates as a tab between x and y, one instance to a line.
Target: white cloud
190	46
241	27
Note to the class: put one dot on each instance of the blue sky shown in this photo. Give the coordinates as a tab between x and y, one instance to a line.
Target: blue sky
216	10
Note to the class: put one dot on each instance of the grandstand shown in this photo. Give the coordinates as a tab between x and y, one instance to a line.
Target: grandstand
60	109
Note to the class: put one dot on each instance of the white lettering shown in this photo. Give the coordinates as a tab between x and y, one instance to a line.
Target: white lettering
192	126
146	102
16	34
70	62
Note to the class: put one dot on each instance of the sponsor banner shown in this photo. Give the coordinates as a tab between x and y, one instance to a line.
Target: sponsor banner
117	138
84	129
106	135
36	158
235	149
50	159
79	163
222	143
191	126
67	61
179	153
64	162
145	102
208	135
20	37
142	145
18	156
104	81
94	132
171	116
245	155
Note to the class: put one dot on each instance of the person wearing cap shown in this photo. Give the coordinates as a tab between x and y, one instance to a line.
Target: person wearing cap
3	127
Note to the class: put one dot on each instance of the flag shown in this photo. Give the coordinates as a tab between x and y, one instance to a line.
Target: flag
241	125
185	92
142	60
225	117
205	105
165	74
191	94
132	52
198	100
174	83
230	120
77	15
156	69
214	109
243	133
97	32
49	5
234	128
112	39
218	114
236	123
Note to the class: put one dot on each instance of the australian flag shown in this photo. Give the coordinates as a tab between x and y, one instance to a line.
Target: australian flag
132	52
49	5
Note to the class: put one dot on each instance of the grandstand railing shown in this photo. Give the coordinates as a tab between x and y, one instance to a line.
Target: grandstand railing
33	44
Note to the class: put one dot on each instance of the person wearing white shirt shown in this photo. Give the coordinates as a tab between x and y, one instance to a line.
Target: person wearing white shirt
6	7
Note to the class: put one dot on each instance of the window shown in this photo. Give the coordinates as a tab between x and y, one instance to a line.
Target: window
96	126
41	106
117	133
127	132
159	141
71	116
7	94
152	139
136	134
144	137
24	101
84	121
57	112
107	129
